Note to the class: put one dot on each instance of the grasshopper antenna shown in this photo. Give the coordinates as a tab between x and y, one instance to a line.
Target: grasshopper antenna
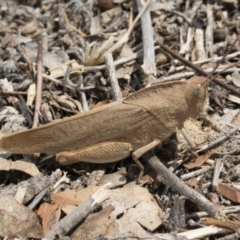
198	69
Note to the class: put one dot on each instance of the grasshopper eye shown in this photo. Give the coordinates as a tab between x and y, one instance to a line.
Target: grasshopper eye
198	92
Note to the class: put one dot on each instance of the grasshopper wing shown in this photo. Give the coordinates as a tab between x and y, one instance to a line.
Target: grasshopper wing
106	123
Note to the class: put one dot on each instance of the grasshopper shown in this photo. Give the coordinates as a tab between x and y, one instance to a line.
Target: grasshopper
110	133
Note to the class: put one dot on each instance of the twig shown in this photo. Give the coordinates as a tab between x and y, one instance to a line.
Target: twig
226	210
217	171
228	224
209	31
199	44
178	185
126	35
218	141
214	59
178	76
80	213
117	94
202	232
188	138
195	173
38	100
198	69
84	100
40	196
149	64
14	93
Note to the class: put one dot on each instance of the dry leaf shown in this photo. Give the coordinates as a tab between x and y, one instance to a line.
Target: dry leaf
229	192
138	207
236	77
31	94
73	197
60	70
29	168
18	220
198	162
91	228
234	98
50	214
134	204
236	120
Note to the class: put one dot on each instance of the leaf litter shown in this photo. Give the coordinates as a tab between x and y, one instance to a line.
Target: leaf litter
75	36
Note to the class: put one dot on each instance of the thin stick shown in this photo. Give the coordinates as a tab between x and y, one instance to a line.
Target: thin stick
80	213
14	93
213	59
178	185
117	94
198	69
40	195
217	170
218	141
149	63
38	100
209	31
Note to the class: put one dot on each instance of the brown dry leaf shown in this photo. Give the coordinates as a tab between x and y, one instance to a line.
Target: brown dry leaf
198	162
229	192
18	220
31	94
50	214
68	209
73	197
91	228
29	168
138	208
136	205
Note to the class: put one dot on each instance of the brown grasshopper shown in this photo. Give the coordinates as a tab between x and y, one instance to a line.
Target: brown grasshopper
135	124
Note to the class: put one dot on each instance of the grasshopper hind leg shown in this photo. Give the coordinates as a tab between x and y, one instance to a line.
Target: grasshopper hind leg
99	153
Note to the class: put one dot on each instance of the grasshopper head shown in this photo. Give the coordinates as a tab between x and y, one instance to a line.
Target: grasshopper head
196	95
